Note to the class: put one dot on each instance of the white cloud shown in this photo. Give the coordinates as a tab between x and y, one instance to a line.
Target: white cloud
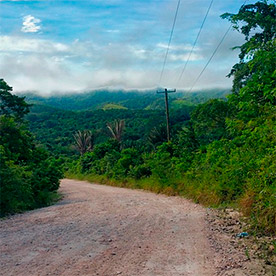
181	47
113	31
184	57
20	44
47	75
30	24
47	66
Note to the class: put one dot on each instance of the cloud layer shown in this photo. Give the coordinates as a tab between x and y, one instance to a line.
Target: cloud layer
90	45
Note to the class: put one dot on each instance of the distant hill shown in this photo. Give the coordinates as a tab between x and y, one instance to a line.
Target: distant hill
55	119
130	100
109	106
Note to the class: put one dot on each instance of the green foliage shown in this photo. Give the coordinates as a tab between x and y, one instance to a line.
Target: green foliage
225	152
260	90
15	190
101	159
11	105
157	135
16	140
208	120
107	159
29	176
261	17
54	127
140	171
84	141
184	148
161	163
26	172
116	129
129	158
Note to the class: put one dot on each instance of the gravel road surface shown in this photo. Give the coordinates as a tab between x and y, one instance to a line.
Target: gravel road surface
103	230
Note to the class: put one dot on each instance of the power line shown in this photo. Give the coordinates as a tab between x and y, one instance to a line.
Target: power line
203	22
208	62
211	58
166	55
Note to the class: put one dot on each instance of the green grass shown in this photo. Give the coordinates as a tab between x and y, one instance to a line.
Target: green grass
178	186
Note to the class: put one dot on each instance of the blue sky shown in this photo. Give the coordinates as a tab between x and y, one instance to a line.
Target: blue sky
66	46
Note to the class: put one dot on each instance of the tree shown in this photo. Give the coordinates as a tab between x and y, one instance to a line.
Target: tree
209	120
255	74
29	176
157	136
260	17
18	143
84	141
116	129
12	105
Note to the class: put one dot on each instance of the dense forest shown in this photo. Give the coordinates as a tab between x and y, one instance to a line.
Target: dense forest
222	151
55	127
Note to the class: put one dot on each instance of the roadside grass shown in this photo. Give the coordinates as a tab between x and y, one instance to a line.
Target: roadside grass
200	192
175	188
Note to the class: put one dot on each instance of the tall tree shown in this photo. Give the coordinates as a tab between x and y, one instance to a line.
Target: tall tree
157	136
28	174
254	83
260	18
116	129
11	105
84	141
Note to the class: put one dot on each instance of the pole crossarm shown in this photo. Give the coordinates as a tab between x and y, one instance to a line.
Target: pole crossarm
166	91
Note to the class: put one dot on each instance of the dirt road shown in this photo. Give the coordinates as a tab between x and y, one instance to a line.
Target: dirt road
102	230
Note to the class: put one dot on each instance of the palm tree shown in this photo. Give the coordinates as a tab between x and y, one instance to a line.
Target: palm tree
84	141
157	135
116	129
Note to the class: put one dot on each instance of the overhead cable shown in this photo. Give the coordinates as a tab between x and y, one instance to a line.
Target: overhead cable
202	24
208	62
215	51
169	43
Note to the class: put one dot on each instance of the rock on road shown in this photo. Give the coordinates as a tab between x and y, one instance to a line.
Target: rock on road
103	230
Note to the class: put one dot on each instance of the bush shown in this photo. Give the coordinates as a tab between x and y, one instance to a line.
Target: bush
29	176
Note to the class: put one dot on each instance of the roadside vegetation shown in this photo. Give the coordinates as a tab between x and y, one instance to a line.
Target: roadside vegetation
225	153
29	176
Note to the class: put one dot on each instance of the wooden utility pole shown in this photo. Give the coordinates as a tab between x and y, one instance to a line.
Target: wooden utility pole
166	91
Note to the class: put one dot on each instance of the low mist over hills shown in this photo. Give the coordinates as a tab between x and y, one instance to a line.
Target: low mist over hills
129	100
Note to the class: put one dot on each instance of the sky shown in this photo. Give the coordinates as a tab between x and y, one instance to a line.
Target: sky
52	47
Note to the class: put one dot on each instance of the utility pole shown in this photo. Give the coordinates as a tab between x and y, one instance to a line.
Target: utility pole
166	91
